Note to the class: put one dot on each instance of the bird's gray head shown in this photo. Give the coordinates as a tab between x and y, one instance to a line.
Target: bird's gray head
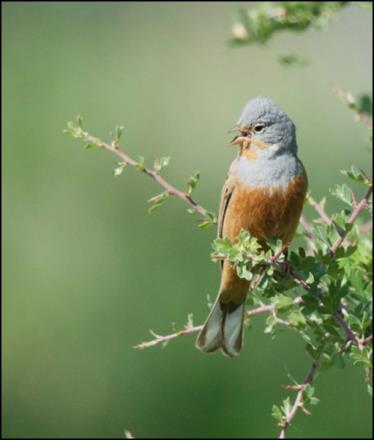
262	125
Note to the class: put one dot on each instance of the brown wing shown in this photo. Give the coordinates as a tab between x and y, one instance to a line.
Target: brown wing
227	191
226	194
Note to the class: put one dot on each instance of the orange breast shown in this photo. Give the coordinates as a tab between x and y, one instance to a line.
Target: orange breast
265	213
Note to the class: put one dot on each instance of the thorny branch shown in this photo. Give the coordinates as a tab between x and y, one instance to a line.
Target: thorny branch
189	328
170	189
298	403
320	210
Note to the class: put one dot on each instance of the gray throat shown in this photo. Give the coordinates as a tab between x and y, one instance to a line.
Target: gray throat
269	170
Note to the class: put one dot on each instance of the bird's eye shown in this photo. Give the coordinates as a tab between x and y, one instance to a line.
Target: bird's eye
259	128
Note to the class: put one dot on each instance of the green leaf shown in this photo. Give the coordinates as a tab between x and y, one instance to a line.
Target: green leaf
309	391
311	351
159	201
275	244
286	408
75	130
302	252
222	246
277	413
365	104
325	362
210	220
118	131
293	60
282	302
357	174
361	357
119	170
140	165
343	193
192	182
90	145
243	272
80	121
161	163
296	318
323	234
190	320
340	222
204	224
270	324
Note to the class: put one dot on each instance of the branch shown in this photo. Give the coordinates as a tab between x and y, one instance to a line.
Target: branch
159	339
171	190
352	103
347	330
188	329
258	24
320	210
298	403
308	234
364	203
76	130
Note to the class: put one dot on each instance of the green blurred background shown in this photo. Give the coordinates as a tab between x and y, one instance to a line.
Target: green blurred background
87	271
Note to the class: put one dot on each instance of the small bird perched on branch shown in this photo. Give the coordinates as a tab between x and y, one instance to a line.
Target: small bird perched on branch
264	194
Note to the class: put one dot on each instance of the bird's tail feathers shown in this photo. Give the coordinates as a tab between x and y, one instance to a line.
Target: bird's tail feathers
223	328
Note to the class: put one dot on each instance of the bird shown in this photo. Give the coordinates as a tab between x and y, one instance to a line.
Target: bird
263	194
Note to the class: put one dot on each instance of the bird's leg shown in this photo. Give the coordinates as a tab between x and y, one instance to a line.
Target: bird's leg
286	266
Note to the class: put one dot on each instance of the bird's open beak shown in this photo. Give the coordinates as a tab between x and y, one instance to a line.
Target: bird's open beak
241	141
243	137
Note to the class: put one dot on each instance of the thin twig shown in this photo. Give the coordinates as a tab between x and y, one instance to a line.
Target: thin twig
366	340
160	339
320	210
298	402
367	119
346	329
308	233
359	207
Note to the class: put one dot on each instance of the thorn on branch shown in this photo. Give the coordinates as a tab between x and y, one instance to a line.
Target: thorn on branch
304	410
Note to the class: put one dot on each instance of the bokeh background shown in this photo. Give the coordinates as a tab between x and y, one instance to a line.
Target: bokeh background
87	271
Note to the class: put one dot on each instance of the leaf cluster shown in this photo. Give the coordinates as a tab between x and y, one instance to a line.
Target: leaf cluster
260	23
